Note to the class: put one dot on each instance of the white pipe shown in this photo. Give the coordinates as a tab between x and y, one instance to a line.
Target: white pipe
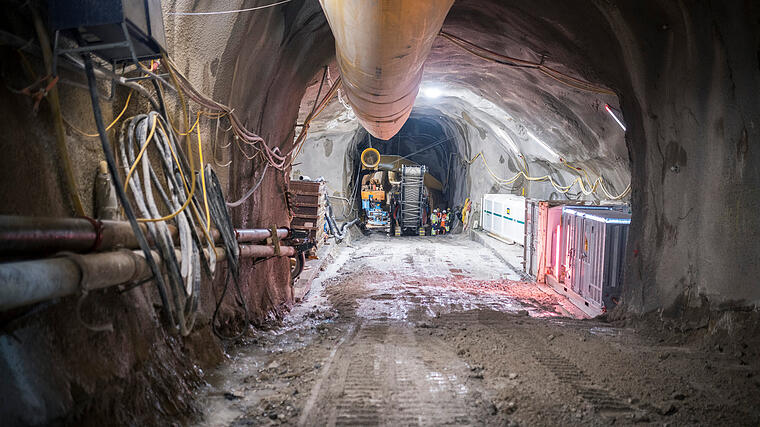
381	47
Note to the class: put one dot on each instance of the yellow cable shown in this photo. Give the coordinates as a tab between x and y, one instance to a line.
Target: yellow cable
139	155
598	183
203	178
93	135
190	191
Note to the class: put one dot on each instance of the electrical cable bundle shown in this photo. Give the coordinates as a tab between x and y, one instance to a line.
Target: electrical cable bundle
184	274
223	223
598	183
273	156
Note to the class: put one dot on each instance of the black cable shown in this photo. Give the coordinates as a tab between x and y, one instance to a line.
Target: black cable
161	286
223	223
160	96
319	91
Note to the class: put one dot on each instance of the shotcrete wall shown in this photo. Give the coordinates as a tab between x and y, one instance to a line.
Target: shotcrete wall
690	96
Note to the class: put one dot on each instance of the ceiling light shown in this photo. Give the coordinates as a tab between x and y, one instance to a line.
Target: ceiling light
614	116
431	92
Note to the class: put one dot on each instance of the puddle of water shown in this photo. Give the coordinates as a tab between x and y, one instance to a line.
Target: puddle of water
604	331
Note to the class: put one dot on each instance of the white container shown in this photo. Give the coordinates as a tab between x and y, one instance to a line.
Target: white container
503	215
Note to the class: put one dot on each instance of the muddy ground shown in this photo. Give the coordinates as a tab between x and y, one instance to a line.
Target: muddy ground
438	331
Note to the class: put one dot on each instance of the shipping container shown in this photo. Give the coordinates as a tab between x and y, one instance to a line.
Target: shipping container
594	249
543	246
503	215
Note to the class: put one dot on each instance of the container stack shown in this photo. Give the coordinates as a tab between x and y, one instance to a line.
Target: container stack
308	204
577	249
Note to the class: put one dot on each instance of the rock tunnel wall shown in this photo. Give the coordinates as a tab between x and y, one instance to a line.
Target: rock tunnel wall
690	96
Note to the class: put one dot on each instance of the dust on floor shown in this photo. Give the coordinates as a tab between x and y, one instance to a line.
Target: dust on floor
436	330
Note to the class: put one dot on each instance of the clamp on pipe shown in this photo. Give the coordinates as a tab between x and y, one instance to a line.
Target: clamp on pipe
84	290
275	240
97	227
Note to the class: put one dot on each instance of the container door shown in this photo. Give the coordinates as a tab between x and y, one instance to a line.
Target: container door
592	261
527	248
578	255
567	232
570	235
541	242
534	225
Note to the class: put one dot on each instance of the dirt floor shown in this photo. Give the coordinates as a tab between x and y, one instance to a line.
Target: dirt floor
438	331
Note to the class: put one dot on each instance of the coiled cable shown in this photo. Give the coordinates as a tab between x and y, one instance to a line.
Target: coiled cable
184	275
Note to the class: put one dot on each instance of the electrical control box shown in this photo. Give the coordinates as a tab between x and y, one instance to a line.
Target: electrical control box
112	28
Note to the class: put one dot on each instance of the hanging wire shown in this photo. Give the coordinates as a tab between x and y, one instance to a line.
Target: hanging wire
490	55
224	12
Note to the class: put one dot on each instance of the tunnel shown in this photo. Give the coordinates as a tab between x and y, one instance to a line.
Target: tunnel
397	212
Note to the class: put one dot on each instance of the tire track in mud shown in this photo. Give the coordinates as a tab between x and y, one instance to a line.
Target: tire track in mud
566	372
424	394
603	402
362	398
383	375
316	389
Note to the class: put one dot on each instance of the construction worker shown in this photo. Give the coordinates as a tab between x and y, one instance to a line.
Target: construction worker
444	221
434	219
449	219
466	213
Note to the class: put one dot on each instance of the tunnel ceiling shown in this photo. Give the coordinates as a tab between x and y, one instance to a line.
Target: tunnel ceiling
518	110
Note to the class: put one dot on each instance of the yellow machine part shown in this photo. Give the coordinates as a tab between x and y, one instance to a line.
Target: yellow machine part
381	47
370	158
377	195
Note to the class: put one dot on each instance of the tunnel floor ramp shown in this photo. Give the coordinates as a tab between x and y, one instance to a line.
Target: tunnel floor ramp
438	331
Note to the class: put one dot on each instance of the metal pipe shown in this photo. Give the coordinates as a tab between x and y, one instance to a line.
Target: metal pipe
28	282
258	234
261	251
40	235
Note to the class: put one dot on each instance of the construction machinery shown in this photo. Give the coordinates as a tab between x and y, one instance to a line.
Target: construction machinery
396	193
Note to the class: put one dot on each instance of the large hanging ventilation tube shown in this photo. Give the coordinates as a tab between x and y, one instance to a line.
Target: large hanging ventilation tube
381	47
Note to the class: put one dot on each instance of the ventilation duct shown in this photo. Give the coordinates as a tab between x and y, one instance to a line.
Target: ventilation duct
381	47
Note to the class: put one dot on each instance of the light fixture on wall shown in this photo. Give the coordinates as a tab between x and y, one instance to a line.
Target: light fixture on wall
612	112
544	145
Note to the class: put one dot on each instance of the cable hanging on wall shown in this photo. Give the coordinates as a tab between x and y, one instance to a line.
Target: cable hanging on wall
592	188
